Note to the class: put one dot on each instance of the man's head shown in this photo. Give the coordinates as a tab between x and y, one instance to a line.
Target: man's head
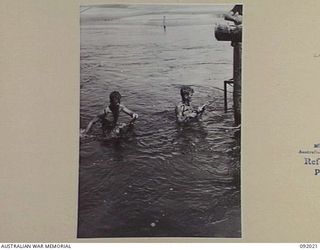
186	93
115	98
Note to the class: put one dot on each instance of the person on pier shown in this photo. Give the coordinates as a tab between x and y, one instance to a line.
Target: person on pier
235	15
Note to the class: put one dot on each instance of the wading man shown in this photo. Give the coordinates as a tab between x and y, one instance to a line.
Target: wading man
109	117
184	110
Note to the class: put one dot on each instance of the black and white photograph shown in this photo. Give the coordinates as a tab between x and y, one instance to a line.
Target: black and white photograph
160	121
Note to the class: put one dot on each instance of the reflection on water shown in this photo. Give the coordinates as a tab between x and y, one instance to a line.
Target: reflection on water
161	179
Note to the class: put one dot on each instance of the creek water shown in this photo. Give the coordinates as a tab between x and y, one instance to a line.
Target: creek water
161	179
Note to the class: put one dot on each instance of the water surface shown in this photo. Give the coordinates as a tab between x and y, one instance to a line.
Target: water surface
161	179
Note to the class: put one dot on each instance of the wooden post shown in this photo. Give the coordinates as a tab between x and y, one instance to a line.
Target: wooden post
225	97
233	33
237	49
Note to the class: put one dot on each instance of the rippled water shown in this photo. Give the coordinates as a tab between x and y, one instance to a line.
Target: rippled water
161	179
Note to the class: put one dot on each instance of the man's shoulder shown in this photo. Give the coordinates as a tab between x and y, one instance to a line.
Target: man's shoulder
104	113
121	107
180	104
106	110
180	107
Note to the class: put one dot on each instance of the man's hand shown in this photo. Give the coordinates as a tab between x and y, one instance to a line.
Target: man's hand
202	108
192	115
134	117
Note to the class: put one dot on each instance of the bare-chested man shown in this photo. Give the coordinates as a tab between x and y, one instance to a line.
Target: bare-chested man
109	116
184	110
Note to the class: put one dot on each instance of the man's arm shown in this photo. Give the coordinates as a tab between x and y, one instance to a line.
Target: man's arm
237	19
129	112
201	109
235	15
184	117
93	121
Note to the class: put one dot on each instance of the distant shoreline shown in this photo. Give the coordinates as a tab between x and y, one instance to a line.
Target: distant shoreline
116	11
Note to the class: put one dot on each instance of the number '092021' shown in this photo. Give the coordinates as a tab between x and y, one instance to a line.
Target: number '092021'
308	245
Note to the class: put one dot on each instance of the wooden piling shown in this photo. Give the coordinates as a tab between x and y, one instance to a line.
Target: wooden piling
225	97
233	33
237	50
